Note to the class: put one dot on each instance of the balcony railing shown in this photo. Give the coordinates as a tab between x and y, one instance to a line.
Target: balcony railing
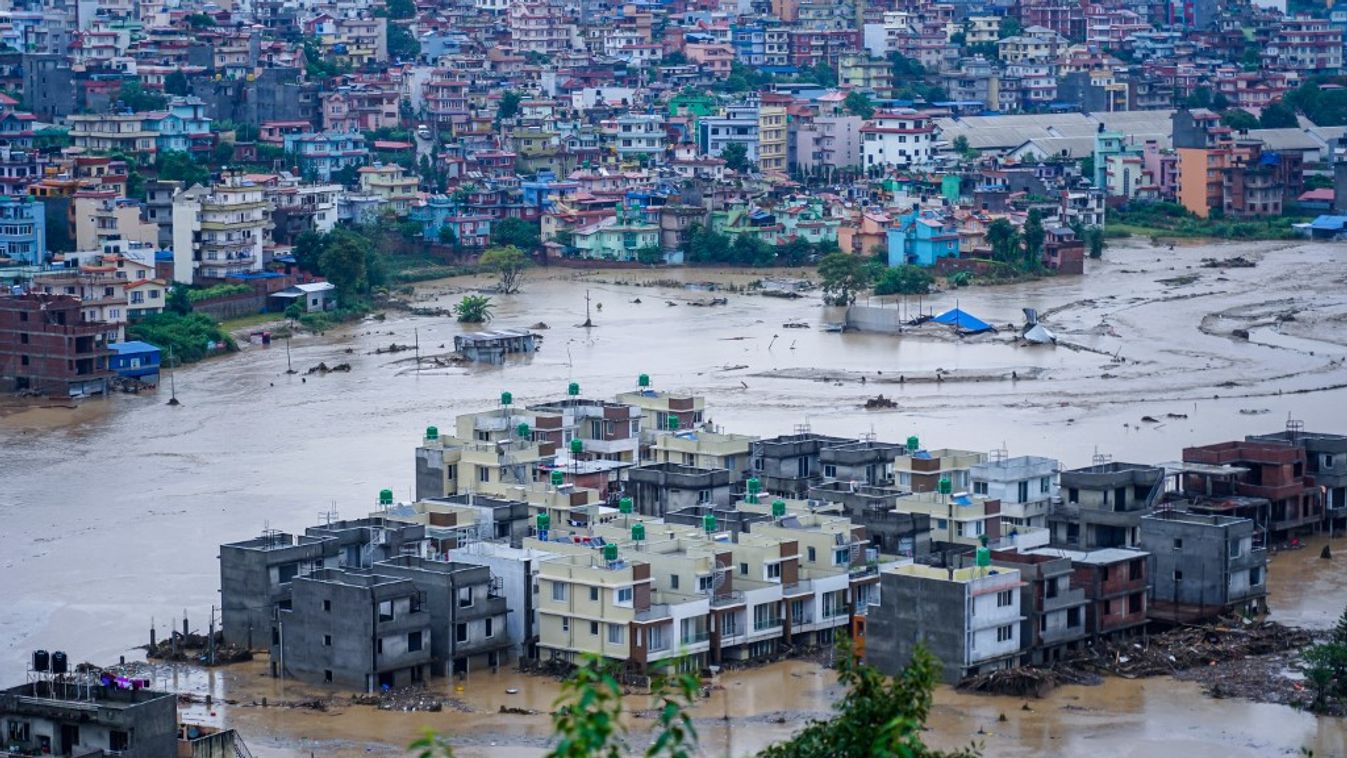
766	624
695	637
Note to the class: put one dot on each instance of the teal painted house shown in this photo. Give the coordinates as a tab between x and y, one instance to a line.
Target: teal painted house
923	237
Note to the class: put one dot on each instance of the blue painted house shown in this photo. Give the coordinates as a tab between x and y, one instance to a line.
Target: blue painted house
923	237
134	359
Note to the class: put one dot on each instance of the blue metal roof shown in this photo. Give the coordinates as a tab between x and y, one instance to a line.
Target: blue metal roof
963	320
1329	223
133	347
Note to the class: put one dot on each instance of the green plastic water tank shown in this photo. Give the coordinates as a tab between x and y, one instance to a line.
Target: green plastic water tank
610	552
573	389
674	424
506	398
624	505
638	532
577	446
754	486
778	508
523	431
558	478
709	522
385	497
946	486
643	380
913	444
544	521
984	557
432	432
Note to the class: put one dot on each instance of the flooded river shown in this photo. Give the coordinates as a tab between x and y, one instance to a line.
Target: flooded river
110	512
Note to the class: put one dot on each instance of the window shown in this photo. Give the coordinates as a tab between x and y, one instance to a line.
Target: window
559	591
23	338
1134	570
565	624
1073	495
1134	603
774	571
979	488
1178	543
23	360
327	675
327	640
812	557
413	642
379	646
830	471
703	496
1050	588
1178	575
461	632
624	596
743	569
386	610
464	597
1255	576
483	474
842	556
673	581
1045	485
1005	633
490	627
593	594
1023	491
594	628
704	583
1234	548
616	634
327	606
18	731
1004	598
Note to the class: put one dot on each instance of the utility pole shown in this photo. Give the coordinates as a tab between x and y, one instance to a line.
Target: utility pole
172	385
416	344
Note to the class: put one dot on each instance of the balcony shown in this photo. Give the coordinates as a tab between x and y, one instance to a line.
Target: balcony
654	613
696	637
765	625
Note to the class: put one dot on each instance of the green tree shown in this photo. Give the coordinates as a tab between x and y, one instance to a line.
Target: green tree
905	68
858	103
176	165
844	276
1087	167
508	263
446	236
705	245
1094	241
177	300
1010	27
137	98
401	9
878	715
295	311
308	251
200	21
175	83
823	74
904	280
345	263
517	232
401	44
1278	115
509	105
735	156
474	309
1034	235
1003	238
650	255
1238	118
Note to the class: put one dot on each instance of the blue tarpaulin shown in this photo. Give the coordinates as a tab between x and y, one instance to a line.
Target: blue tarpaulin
963	321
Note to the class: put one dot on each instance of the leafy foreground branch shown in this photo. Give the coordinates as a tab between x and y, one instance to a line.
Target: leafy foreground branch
880	716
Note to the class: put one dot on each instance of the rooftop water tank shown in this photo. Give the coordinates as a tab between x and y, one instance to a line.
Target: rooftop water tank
610	552
778	508
624	505
523	431
573	389
432	432
674	423
709	522
913	444
385	497
506	398
754	486
984	557
544	521
643	380
638	532
577	446
558	478
41	660
946	486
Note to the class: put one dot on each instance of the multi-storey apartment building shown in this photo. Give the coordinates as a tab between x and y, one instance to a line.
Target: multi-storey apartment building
901	139
219	231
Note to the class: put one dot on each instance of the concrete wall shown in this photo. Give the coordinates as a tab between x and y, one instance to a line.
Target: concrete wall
149	719
870	318
915	610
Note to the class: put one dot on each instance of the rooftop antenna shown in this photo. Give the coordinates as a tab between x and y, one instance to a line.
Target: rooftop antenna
1100	459
1294	427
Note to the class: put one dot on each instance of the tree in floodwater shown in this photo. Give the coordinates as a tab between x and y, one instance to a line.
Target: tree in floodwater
844	276
474	309
507	262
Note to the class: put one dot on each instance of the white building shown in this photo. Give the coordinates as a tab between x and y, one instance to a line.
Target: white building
639	134
220	231
900	139
1025	485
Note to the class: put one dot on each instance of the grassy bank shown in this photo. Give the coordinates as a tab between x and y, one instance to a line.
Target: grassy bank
187	338
1173	220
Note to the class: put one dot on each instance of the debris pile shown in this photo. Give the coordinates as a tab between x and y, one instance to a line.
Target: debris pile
879	401
323	368
410	699
195	648
1189	646
1238	261
1027	681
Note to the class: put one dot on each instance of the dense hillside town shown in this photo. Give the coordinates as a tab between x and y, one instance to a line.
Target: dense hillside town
154	146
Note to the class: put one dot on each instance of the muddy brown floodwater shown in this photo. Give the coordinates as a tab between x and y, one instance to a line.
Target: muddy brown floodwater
110	512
